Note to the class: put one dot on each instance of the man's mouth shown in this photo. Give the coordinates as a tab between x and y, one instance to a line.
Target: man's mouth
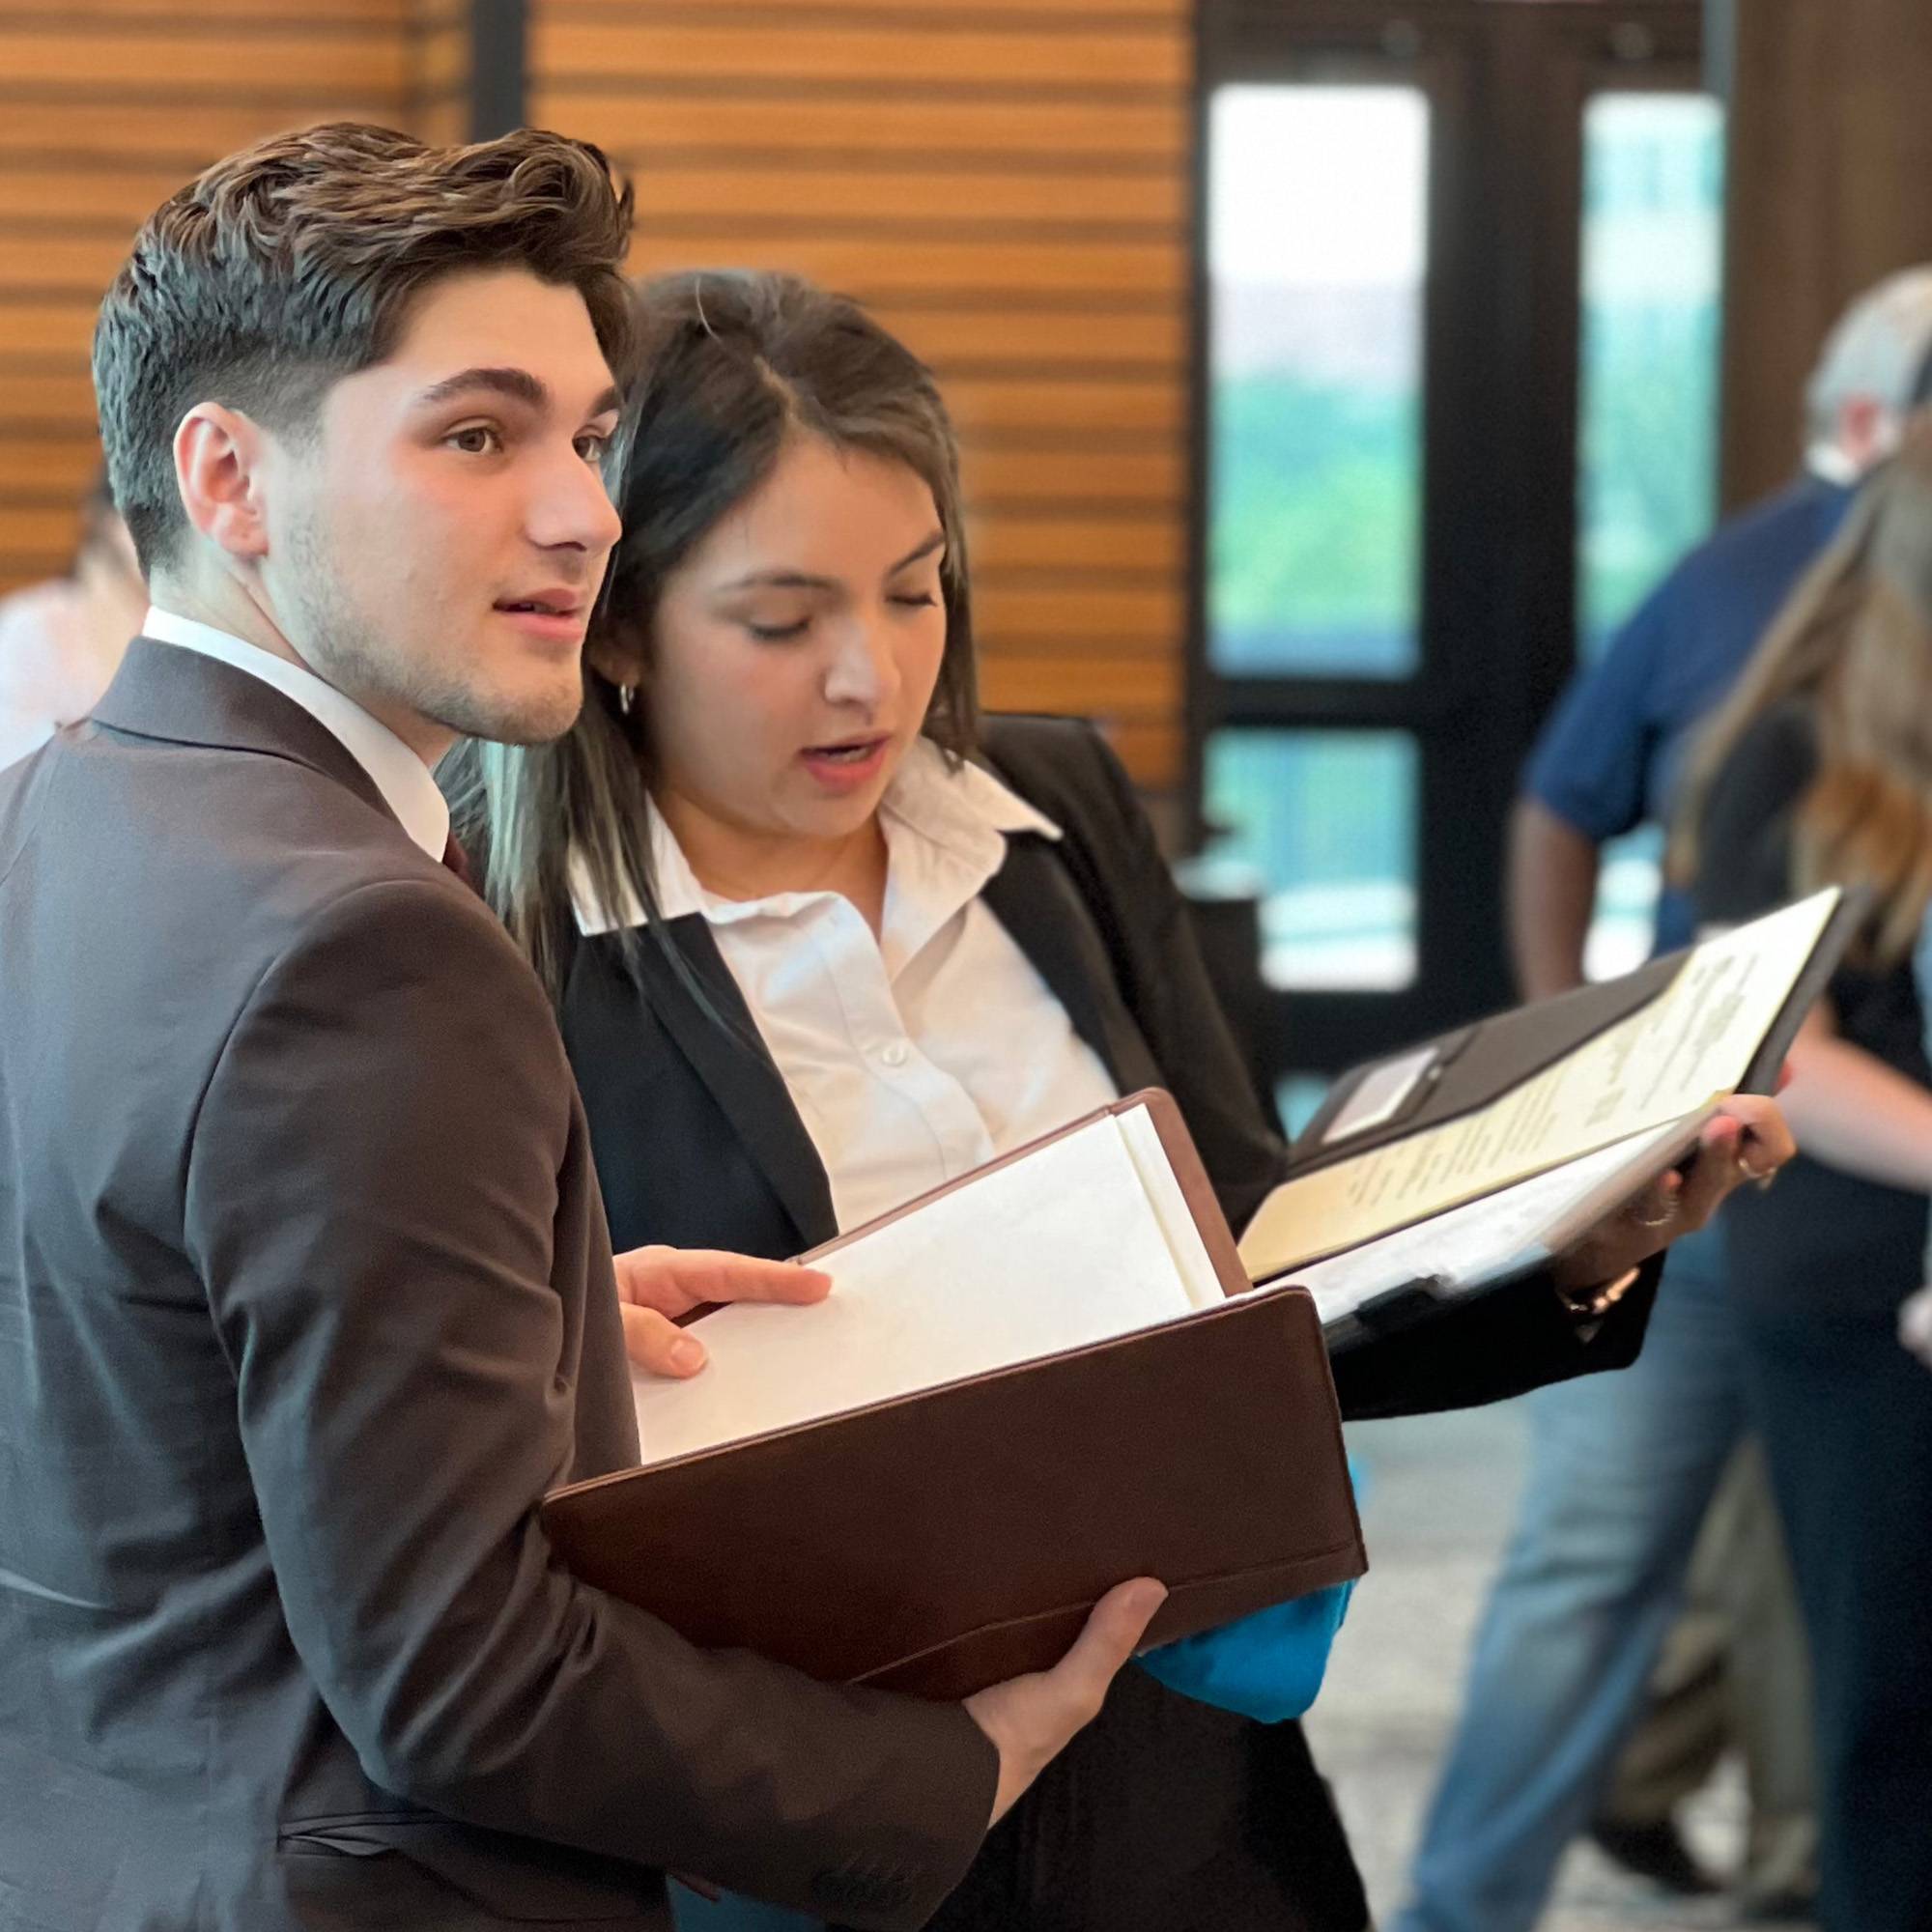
545	604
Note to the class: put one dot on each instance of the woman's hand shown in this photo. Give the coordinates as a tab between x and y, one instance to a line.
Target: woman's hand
656	1284
1915	1324
1745	1140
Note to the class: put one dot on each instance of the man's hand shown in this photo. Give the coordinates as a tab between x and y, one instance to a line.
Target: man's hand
656	1284
1745	1140
1915	1324
1032	1719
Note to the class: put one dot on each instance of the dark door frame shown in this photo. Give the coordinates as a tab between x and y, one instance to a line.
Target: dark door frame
1501	324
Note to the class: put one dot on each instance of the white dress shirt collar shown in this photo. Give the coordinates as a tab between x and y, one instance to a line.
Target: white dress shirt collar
406	782
955	817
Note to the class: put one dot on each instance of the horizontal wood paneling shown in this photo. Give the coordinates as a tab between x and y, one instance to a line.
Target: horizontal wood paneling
780	124
112	126
106	107
1007	183
189	59
921	48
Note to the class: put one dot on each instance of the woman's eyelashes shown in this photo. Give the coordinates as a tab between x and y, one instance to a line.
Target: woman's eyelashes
774	630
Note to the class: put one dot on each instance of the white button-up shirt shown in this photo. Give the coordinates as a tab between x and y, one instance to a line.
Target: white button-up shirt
408	787
922	1053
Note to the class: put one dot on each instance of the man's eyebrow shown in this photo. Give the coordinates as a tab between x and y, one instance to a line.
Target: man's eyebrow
518	383
799	580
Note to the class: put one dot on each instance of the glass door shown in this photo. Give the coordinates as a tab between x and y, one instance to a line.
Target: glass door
1457	279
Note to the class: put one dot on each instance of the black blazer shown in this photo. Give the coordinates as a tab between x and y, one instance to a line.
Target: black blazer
1165	1815
697	1142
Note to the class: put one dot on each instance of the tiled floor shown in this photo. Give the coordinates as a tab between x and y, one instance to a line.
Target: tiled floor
1440	1490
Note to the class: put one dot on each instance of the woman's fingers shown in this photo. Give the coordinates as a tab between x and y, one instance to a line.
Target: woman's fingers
1915	1326
1765	1143
1748	1140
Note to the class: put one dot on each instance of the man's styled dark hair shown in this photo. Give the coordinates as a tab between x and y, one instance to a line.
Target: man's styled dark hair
293	262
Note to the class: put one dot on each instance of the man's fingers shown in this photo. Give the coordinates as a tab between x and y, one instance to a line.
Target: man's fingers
716	1276
1111	1635
657	1345
676	1280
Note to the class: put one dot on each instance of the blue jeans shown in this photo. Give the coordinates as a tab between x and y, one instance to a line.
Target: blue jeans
1622	1469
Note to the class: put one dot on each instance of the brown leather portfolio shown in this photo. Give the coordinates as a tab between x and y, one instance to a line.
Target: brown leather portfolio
941	1541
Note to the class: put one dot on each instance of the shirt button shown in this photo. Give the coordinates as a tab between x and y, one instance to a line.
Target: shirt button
893	1055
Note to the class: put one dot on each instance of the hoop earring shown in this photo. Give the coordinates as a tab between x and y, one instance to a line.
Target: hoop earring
626	696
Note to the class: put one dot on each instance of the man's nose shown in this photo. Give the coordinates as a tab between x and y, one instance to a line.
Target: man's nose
572	509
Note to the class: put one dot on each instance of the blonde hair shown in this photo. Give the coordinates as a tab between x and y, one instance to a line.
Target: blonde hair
1854	644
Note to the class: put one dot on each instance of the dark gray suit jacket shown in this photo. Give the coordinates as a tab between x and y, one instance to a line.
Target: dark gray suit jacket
305	1301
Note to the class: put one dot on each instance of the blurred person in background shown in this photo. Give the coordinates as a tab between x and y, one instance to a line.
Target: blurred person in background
62	641
1622	1474
821	938
1818	770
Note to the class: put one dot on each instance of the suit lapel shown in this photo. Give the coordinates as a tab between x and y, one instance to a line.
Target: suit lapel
1033	897
162	691
740	1074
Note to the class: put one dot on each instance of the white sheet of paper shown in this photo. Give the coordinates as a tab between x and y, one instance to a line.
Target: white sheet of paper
1380	1096
1690	1044
1503	1233
1049	1253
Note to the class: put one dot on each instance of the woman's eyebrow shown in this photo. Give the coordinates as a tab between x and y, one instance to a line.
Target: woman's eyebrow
936	541
783	579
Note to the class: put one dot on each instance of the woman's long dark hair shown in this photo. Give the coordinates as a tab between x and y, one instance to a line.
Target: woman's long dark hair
730	365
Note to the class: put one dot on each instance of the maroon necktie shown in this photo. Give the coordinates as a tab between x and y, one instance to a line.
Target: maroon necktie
458	860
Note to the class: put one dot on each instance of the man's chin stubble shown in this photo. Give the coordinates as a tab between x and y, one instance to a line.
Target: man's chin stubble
534	721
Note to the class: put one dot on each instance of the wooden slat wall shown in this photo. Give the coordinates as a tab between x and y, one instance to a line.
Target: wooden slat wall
106	106
1829	144
1007	183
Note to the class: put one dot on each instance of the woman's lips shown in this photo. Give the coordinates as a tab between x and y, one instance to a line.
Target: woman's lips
844	768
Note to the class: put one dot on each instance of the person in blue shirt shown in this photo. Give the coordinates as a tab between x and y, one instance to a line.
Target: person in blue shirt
1622	1473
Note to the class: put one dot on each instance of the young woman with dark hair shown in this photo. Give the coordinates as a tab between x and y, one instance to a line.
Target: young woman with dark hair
821	939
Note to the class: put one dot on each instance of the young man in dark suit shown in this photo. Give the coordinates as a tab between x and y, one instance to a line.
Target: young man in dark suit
305	1291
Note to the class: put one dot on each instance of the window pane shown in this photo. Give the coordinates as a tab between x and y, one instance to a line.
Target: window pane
1629	873
1316	247
1653	252
1325	821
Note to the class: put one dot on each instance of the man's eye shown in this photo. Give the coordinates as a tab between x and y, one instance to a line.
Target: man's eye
477	440
593	445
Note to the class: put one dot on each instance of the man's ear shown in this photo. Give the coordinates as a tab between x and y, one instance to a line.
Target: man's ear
219	471
1867	431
